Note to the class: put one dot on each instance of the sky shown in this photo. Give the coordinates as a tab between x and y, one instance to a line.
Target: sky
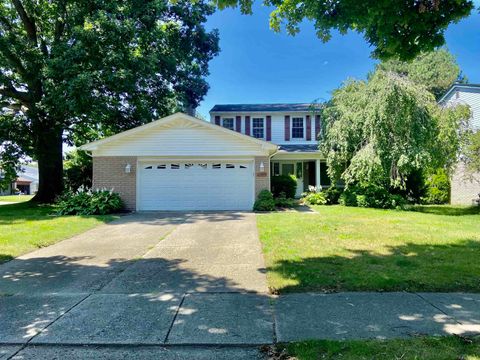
257	65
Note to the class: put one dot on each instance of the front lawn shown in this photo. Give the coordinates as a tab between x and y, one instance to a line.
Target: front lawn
15	198
355	249
425	348
25	227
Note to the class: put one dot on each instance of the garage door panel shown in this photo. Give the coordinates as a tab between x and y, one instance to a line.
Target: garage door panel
195	186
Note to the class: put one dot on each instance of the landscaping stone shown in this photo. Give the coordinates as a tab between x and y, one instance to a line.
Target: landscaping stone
21	318
356	316
223	319
115	319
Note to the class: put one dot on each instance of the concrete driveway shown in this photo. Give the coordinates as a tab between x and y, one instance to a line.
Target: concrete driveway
147	278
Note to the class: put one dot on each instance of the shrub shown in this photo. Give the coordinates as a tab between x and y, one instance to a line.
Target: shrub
286	184
315	198
348	197
77	170
283	202
371	196
264	201
438	188
332	195
88	202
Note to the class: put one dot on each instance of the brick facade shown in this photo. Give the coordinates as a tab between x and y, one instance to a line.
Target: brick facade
262	182
109	172
465	188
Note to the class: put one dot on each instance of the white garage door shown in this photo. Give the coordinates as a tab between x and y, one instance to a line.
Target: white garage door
195	186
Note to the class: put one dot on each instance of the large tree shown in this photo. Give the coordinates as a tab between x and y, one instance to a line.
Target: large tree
436	70
395	28
383	130
79	69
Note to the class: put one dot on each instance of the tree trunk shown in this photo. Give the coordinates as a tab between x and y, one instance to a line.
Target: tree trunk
50	165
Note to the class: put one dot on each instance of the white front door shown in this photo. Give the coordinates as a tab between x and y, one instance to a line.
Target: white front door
195	185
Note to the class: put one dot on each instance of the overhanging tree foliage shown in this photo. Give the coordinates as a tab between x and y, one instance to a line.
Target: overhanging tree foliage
381	131
395	28
75	70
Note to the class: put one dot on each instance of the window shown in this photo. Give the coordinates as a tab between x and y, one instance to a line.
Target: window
297	128
288	169
257	128
188	166
227	123
148	167
203	166
216	166
230	166
161	166
276	169
175	166
243	167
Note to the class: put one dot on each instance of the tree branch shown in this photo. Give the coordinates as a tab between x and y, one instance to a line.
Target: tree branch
28	23
60	23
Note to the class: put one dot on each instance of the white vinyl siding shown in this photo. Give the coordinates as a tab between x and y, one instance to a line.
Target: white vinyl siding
469	97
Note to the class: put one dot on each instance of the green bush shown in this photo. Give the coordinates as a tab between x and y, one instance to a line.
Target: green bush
88	202
332	195
438	188
77	170
283	202
315	198
265	201
371	196
286	184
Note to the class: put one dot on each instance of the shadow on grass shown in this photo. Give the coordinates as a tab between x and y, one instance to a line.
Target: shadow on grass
445	210
410	267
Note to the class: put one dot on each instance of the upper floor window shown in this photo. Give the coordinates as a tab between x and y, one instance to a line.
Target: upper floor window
227	123
258	128
297	128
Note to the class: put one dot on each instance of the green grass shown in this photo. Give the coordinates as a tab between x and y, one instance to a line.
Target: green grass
354	249
15	198
25	227
422	348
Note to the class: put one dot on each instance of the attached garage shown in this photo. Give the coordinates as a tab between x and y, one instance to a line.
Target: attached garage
182	163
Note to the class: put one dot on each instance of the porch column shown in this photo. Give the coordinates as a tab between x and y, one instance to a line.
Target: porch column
317	174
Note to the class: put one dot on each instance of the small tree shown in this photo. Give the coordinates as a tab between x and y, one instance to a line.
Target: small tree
78	170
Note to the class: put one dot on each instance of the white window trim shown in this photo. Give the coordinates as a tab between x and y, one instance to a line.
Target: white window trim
304	128
229	118
264	127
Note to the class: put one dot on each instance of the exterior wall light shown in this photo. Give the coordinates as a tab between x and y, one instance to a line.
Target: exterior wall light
262	167
128	168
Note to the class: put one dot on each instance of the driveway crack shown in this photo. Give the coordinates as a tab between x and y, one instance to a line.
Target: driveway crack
174	318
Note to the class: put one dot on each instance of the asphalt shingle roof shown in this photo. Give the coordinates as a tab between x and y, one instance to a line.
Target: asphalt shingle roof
264	107
298	148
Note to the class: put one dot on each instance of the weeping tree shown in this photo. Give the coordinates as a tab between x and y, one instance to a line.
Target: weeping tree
382	130
394	28
72	71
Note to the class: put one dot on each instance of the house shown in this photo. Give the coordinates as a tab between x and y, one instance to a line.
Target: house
183	163
26	183
465	187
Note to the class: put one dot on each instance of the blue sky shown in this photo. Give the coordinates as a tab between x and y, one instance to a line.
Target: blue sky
256	65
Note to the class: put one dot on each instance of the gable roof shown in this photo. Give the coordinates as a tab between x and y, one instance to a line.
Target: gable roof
300	107
456	87
154	124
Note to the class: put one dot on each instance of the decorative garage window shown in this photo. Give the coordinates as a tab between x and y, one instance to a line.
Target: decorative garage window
227	123
188	166
203	166
230	166
297	128
243	167
162	166
216	166
148	167
257	128
174	166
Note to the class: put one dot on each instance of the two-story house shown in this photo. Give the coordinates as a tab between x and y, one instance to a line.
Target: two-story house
465	186
293	127
183	163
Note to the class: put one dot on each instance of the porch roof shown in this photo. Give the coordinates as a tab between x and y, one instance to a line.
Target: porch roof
310	148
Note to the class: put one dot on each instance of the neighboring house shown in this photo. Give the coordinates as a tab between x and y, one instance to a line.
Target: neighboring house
27	182
184	163
465	186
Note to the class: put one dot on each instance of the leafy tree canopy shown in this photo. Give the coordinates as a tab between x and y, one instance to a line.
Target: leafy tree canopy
436	70
394	28
472	153
76	70
381	130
